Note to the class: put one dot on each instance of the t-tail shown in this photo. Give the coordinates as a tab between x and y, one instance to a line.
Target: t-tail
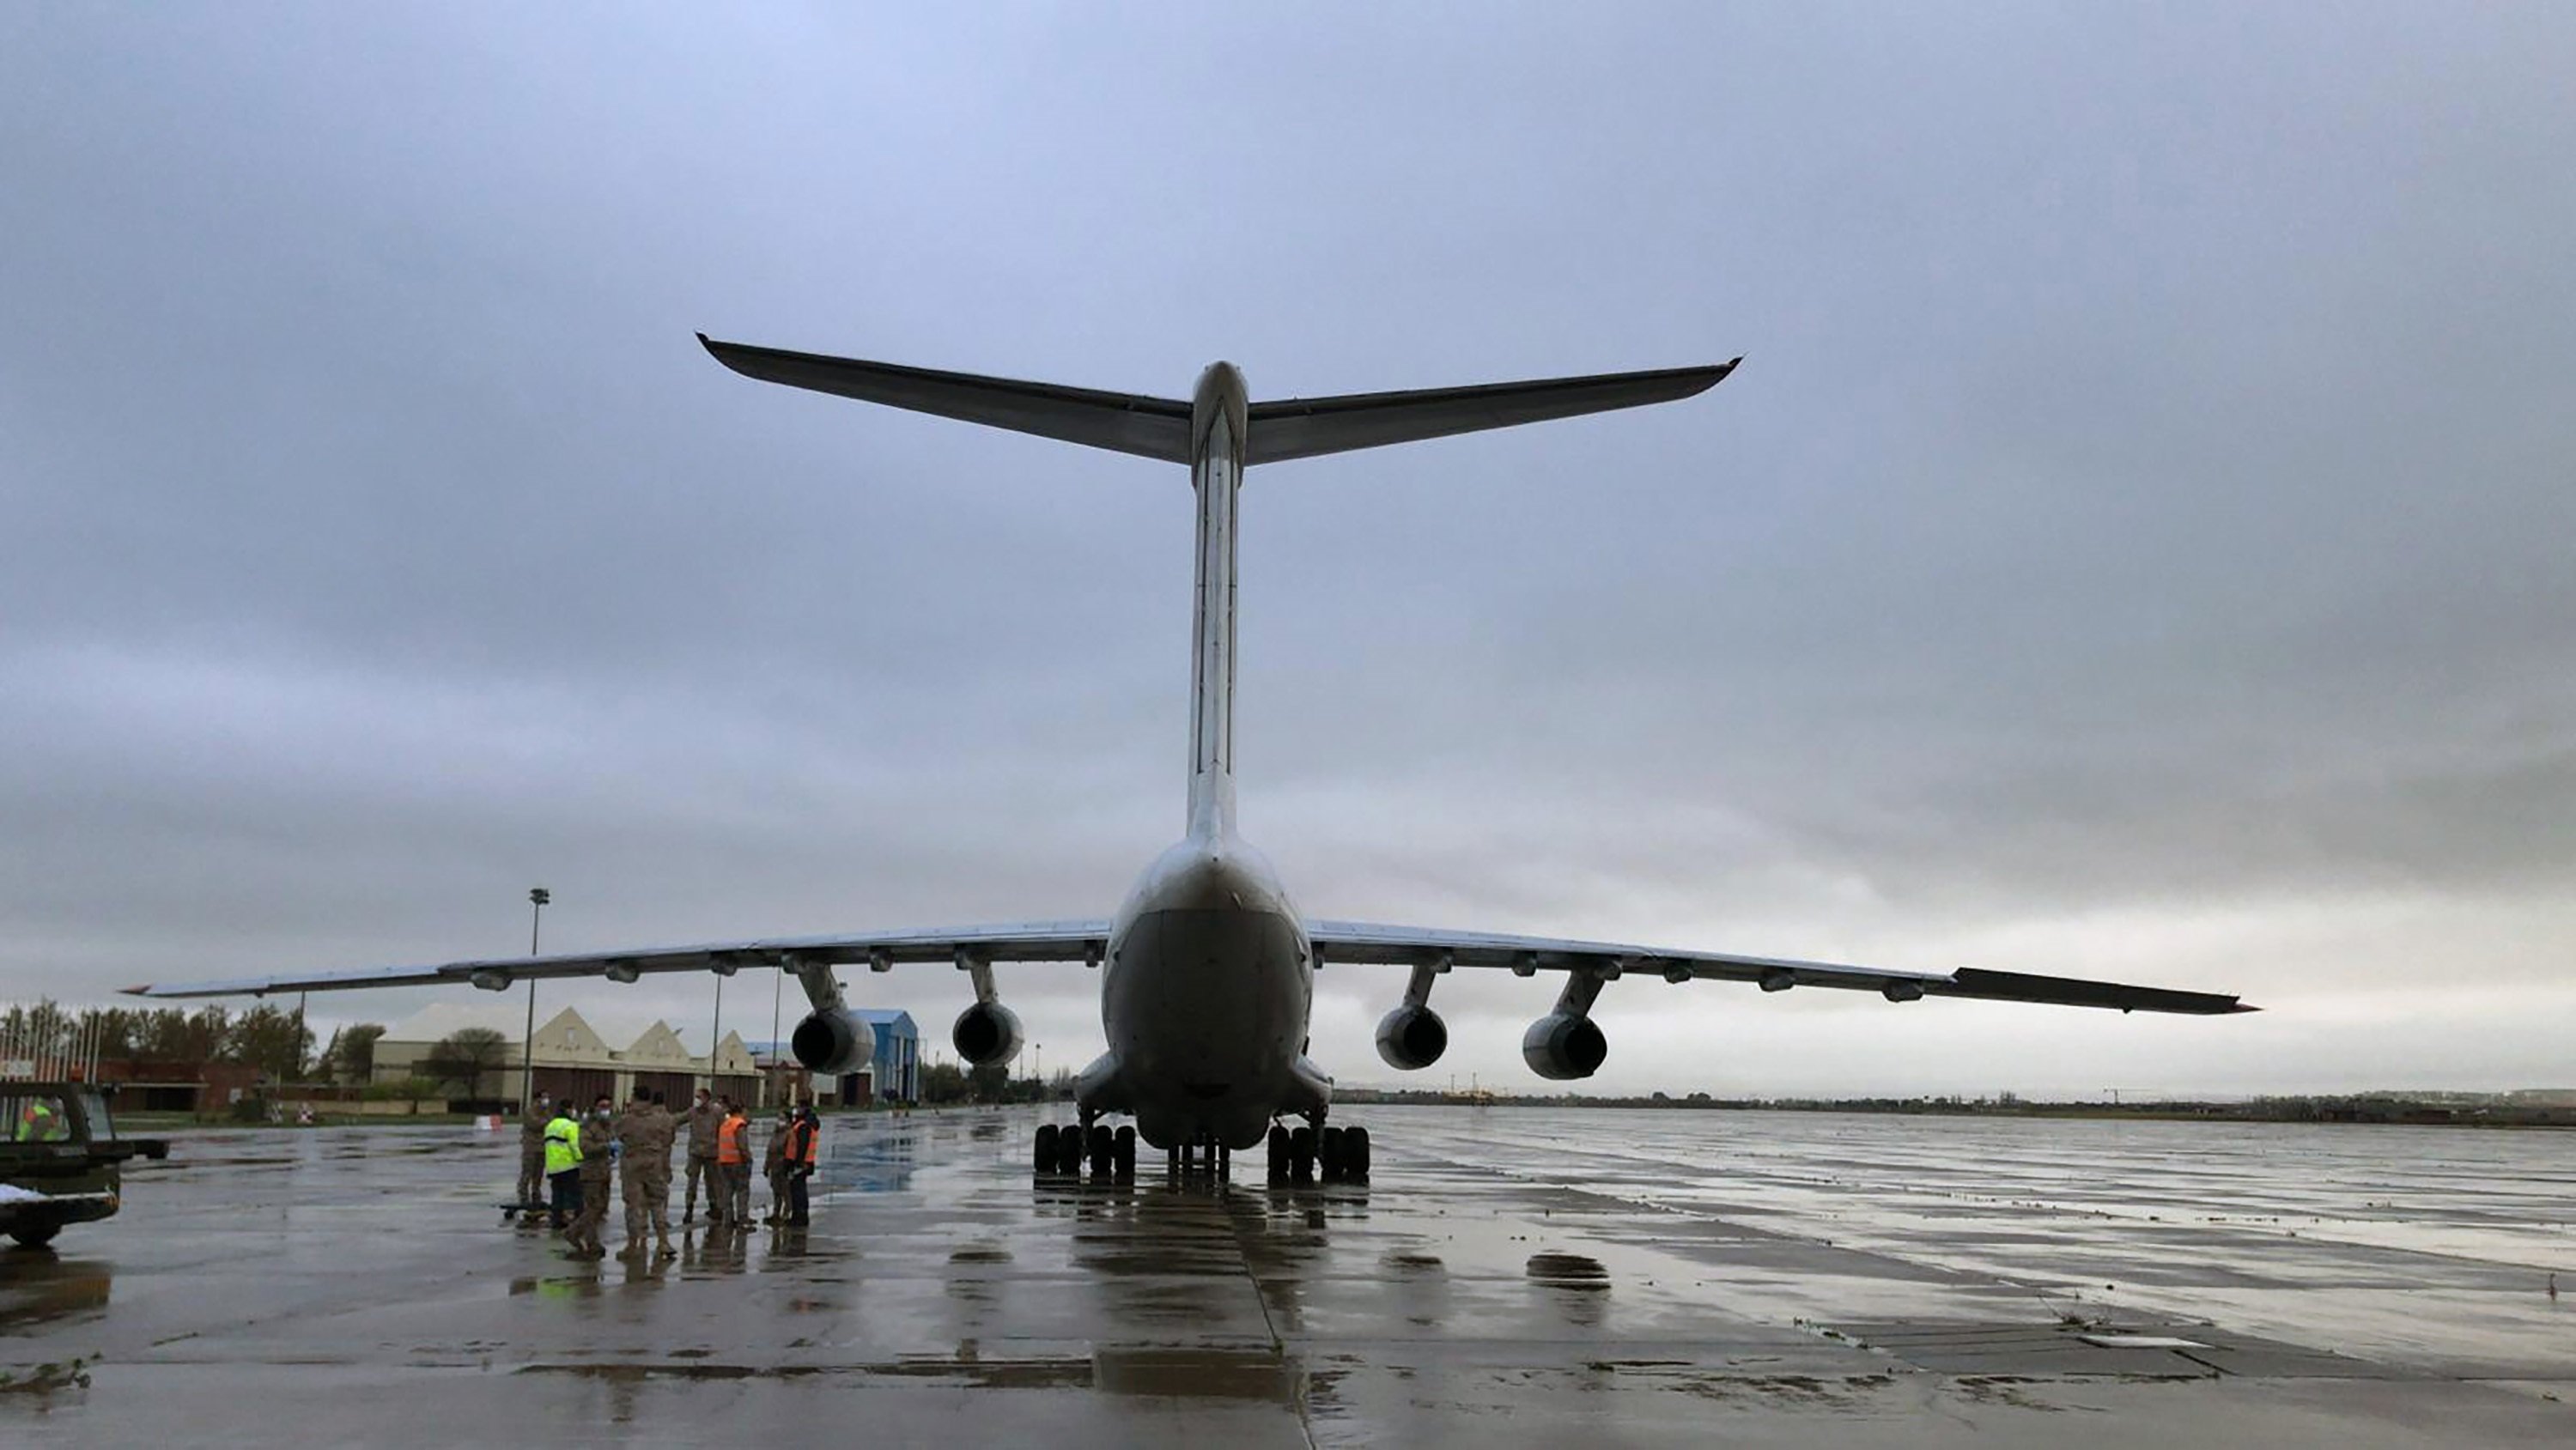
1218	433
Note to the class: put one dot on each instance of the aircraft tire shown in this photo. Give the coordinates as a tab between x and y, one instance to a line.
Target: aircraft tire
1104	1151
35	1238
1301	1154
1279	1154
1355	1154
1046	1155
1068	1150
1328	1154
1123	1152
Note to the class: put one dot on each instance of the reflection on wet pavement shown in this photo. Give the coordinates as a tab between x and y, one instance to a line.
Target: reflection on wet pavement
1511	1275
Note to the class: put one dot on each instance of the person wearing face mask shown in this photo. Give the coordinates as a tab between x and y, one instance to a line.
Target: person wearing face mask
705	1118
596	1163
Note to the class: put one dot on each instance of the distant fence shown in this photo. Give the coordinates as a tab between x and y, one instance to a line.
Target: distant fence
45	1043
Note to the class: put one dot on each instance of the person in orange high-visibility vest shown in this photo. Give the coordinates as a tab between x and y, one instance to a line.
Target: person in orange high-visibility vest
804	1150
733	1164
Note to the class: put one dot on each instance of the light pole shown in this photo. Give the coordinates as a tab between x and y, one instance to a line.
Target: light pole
538	896
1037	1067
777	1069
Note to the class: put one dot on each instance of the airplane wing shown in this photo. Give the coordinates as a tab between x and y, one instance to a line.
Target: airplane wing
1306	427
1364	942
1122	422
1042	941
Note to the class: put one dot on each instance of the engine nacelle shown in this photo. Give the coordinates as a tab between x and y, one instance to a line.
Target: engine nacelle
832	1043
987	1033
1564	1046
1412	1036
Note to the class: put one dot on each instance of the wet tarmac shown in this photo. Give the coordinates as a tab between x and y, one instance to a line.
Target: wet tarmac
1511	1276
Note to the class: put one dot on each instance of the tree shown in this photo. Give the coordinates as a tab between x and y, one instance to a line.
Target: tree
171	1035
463	1056
353	1058
943	1082
271	1039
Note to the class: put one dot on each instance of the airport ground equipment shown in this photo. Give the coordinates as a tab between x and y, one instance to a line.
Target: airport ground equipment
1207	968
61	1161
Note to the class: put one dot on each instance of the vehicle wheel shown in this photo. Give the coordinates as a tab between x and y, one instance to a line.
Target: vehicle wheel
1278	1153
35	1238
1068	1149
1301	1154
1046	1148
1104	1151
1355	1154
1328	1153
1123	1151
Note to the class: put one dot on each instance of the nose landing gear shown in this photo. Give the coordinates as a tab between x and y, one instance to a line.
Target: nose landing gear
1201	1157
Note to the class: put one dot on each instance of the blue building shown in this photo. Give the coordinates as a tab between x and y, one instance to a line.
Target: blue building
898	1064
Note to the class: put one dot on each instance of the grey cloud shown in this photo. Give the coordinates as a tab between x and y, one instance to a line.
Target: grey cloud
2140	517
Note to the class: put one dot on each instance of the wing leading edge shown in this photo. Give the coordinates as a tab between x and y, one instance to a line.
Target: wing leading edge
1042	941
1335	942
1365	942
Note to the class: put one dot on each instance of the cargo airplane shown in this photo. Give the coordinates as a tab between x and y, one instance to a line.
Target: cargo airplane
1207	969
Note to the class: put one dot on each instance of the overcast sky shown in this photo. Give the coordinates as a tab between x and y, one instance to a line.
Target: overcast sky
2136	545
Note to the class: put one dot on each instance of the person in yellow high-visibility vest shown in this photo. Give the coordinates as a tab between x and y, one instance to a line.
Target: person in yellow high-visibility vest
39	1121
563	1164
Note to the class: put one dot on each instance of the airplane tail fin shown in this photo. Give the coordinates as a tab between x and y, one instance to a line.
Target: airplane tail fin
1123	422
1306	427
1159	428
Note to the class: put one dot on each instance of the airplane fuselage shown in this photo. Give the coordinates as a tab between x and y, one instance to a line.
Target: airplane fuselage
1209	978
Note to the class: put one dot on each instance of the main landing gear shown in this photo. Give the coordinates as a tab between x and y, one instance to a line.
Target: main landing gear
1342	1154
1068	1150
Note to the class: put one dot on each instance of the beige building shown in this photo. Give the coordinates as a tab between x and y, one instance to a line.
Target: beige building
572	1058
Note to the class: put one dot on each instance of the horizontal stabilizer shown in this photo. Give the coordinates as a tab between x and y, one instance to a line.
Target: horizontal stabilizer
1306	427
1123	422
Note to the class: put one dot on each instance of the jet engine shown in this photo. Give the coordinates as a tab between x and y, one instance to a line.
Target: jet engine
832	1042
985	1034
1412	1036
1564	1046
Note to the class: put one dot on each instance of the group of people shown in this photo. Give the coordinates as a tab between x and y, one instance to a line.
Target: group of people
571	1157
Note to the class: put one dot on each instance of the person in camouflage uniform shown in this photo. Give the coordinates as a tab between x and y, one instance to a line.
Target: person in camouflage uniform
773	1166
597	1132
704	1119
532	1150
644	1170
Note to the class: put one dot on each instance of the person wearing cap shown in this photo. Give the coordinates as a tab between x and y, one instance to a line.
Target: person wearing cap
733	1168
532	1151
804	1152
705	1118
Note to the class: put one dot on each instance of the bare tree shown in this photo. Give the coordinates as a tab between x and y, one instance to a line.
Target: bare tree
462	1057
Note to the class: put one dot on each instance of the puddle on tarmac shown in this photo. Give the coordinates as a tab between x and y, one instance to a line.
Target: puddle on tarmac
1260	1375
